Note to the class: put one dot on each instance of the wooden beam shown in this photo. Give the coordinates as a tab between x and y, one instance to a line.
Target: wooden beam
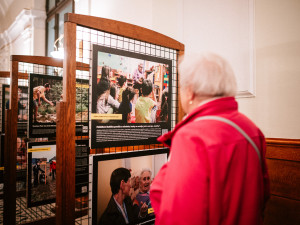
284	142
65	133
40	60
124	29
46	61
6	74
10	150
180	111
283	149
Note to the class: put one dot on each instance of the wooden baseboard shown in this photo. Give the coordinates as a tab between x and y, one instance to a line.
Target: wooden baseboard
283	161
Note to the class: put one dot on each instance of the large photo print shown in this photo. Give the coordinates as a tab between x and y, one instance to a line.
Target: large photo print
45	93
41	171
131	99
137	170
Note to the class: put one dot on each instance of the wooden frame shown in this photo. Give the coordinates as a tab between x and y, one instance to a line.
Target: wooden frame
65	192
10	150
65	202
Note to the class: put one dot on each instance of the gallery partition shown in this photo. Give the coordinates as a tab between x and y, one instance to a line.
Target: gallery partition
23	202
103	43
71	123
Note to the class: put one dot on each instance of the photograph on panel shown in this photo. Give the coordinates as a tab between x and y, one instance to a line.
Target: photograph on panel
41	173
45	92
125	178
131	97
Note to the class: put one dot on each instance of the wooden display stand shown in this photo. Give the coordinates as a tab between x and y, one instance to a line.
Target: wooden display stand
10	150
66	117
65	130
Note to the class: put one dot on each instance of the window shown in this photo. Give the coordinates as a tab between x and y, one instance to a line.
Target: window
55	20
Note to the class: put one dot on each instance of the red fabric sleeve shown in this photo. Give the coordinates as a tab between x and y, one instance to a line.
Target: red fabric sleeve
185	179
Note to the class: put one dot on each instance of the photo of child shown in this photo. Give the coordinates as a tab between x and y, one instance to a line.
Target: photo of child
148	80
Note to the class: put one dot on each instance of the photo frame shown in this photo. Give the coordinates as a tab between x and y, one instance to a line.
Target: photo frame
101	167
41	187
42	114
41	184
138	118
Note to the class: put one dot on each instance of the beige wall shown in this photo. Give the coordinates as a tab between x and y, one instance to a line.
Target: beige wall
276	107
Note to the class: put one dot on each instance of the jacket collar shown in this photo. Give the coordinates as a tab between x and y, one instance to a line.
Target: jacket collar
217	106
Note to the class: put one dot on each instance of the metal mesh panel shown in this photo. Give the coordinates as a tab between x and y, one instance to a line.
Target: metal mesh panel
25	214
86	38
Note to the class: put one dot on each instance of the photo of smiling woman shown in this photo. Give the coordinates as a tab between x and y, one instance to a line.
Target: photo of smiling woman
143	197
129	185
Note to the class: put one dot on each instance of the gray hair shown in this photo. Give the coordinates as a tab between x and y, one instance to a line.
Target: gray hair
208	75
145	170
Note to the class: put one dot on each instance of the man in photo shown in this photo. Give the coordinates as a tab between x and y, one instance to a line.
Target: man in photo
36	169
120	209
38	93
138	77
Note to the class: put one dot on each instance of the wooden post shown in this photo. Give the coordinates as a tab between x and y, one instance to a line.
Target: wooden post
180	113
10	150
65	133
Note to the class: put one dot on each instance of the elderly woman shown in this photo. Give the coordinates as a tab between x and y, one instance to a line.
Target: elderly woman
144	186
216	174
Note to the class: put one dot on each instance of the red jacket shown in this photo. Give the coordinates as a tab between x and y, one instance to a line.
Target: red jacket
213	175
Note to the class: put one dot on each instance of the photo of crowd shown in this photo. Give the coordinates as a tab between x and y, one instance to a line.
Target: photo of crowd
136	89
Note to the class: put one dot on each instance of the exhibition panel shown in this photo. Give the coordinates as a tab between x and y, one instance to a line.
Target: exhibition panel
113	94
33	166
133	85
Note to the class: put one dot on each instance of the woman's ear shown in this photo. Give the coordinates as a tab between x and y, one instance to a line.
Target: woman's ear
190	95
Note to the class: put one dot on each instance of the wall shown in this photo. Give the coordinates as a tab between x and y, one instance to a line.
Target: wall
277	47
138	12
200	26
276	107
